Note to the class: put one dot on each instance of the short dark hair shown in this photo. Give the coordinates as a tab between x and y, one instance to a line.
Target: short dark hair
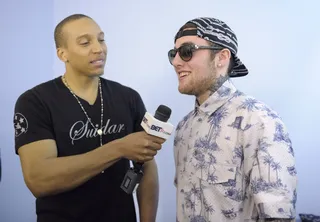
59	38
213	52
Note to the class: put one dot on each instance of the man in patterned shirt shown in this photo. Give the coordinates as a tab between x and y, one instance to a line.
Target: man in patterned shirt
234	158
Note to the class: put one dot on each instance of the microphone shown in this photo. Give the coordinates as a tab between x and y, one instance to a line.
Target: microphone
156	125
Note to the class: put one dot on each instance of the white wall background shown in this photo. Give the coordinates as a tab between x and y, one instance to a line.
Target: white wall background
278	41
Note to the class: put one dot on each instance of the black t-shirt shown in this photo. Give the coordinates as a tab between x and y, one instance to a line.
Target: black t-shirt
49	111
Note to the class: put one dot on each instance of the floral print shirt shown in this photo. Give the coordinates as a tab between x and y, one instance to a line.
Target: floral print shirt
234	161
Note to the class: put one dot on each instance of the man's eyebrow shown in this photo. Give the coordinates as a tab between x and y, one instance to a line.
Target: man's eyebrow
83	35
185	43
87	35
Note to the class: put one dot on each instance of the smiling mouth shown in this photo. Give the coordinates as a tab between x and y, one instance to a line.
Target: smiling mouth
183	74
97	62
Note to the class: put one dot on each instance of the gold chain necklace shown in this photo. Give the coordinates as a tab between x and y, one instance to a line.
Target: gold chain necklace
97	130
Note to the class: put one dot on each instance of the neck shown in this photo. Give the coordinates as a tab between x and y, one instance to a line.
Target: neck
80	83
217	83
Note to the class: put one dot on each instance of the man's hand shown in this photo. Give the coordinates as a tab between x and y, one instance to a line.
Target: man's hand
140	146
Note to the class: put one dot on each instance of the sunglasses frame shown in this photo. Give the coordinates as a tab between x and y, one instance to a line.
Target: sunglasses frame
194	47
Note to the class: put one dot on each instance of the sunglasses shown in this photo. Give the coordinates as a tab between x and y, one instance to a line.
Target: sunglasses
186	51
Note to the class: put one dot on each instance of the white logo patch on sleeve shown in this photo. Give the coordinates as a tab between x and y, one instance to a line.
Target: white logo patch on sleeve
20	124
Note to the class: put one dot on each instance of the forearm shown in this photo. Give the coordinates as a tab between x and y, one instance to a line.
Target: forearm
60	174
148	193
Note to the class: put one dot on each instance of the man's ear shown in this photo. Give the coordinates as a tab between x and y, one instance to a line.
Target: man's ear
62	54
224	55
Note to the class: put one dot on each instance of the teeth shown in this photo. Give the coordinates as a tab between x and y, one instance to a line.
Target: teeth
97	61
182	74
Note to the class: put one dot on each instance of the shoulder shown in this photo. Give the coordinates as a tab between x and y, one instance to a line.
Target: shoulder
32	104
37	93
117	89
253	109
118	86
260	120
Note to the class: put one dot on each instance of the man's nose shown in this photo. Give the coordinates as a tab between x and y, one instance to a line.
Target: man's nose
177	61
97	47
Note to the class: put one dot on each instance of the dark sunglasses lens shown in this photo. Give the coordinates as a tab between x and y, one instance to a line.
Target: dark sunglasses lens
185	52
171	54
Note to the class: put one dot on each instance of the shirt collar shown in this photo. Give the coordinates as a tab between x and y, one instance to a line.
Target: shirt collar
217	99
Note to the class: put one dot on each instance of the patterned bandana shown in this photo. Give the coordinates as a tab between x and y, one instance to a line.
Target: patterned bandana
218	32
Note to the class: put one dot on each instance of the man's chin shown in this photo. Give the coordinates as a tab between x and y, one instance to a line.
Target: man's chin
96	74
185	91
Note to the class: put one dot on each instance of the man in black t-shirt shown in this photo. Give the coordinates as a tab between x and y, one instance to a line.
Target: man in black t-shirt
75	135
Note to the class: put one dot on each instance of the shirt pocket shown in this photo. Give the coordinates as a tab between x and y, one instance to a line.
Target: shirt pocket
216	174
214	185
205	165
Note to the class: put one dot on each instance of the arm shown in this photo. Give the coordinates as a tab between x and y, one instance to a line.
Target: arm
271	170
46	174
148	193
148	190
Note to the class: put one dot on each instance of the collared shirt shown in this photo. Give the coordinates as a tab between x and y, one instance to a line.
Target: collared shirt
234	161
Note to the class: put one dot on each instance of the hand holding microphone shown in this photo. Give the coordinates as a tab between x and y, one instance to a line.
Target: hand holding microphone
144	145
141	147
